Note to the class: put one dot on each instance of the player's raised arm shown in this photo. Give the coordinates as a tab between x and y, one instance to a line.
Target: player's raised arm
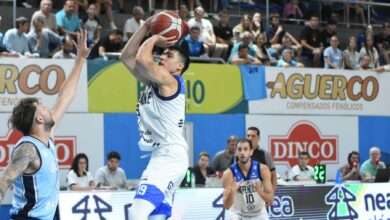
229	189
267	192
69	87
22	157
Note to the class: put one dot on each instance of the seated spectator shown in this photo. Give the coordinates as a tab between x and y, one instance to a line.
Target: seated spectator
328	33
243	56
370	167
302	171
206	29
67	49
247	40
134	23
351	56
67	19
111	43
223	33
224	158
192	44
183	13
92	25
202	169
41	40
15	39
45	10
287	59
365	63
369	50
292	10
288	42
276	31
333	57
245	25
111	176
382	42
105	7
350	171
311	42
257	25
79	178
261	49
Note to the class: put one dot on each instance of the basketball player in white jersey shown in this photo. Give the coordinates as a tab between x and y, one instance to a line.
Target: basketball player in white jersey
247	186
161	112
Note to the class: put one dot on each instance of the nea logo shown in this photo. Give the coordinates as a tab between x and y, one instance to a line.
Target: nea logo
66	148
304	136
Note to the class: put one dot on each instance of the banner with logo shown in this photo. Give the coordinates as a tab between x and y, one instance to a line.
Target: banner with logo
328	139
323	91
76	133
42	78
210	88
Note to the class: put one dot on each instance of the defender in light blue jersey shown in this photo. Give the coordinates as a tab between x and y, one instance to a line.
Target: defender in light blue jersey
161	118
33	169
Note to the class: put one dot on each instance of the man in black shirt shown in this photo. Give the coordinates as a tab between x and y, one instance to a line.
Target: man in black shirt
329	32
260	155
202	170
311	42
224	32
113	42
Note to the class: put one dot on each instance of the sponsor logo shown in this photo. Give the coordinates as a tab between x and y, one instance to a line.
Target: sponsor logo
304	136
65	147
340	198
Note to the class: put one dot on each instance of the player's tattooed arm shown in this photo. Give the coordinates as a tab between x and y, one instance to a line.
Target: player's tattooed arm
24	159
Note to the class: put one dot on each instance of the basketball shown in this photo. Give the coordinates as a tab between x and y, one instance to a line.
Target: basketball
168	24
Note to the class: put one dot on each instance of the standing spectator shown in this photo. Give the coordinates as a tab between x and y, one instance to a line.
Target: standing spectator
15	39
382	42
292	10
370	167
243	56
365	63
67	49
202	169
206	29
328	33
311	42
287	59
67	19
105	7
224	33
92	25
41	39
224	158
46	8
257	25
245	25
192	44
111	176
351	56
260	155
333	57
275	32
302	171
134	23
370	51
79	178
350	171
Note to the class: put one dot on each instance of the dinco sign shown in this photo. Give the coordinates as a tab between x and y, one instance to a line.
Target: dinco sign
304	136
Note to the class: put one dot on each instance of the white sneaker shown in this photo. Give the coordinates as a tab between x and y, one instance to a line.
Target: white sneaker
26	5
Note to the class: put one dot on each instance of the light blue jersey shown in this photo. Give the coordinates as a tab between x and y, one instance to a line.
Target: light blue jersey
36	194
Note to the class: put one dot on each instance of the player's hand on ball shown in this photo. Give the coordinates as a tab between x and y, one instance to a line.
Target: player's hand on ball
165	41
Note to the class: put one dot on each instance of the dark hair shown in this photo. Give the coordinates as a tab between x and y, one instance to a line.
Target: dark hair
244	140
242	46
113	155
255	129
195	28
116	32
204	154
21	21
351	154
185	59
304	153
75	163
22	116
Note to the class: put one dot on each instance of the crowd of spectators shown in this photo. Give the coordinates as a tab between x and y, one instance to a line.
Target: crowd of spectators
249	42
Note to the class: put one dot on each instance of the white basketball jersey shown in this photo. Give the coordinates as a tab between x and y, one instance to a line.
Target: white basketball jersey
161	119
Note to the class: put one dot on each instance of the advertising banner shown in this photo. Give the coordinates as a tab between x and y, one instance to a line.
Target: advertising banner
41	78
76	133
210	88
323	91
327	139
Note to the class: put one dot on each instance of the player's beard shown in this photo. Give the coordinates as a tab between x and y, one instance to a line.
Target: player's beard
49	124
244	160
